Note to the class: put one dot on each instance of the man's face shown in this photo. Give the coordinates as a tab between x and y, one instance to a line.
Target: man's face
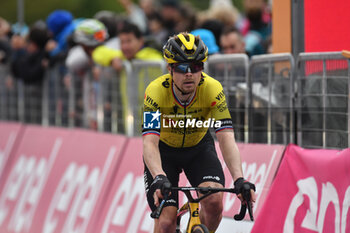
130	44
232	43
187	81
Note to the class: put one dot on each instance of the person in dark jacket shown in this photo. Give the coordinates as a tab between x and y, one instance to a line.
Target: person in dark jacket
5	46
29	62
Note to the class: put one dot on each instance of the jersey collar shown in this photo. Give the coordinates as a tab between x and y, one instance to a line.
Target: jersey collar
182	104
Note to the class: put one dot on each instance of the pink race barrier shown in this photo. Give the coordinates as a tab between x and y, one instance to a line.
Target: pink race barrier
61	180
9	137
57	179
260	163
311	193
126	209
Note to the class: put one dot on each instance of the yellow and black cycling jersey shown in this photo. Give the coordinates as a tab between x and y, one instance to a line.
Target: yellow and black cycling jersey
184	125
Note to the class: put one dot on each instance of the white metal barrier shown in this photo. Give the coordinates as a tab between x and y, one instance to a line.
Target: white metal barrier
323	104
232	71
270	100
271	92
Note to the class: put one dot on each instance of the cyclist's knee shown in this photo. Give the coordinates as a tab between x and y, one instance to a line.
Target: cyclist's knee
167	220
166	225
213	204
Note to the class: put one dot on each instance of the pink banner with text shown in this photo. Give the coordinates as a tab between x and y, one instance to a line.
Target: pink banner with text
58	178
9	136
259	163
126	209
311	193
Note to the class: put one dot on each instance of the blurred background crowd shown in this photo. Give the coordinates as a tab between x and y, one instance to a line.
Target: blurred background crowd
85	45
78	41
67	66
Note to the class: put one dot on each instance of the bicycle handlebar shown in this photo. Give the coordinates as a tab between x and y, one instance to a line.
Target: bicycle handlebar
208	191
246	196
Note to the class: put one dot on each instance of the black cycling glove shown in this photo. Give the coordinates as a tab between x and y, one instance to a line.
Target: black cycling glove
241	184
160	182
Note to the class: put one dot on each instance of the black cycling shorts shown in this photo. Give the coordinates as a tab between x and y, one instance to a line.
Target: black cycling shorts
200	164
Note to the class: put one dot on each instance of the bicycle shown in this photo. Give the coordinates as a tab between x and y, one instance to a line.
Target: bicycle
194	224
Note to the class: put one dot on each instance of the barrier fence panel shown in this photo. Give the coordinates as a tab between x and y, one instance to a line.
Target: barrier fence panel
74	84
271	92
109	114
3	90
8	95
30	102
323	100
142	73
232	71
260	95
56	90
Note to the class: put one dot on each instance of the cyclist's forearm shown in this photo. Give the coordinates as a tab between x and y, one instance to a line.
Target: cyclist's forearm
151	156
230	153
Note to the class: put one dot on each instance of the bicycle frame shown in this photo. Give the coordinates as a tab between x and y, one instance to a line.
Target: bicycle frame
192	205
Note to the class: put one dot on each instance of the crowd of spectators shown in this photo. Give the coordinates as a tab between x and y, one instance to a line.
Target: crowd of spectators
156	20
108	38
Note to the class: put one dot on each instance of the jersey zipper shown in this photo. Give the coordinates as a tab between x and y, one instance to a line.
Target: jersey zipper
183	139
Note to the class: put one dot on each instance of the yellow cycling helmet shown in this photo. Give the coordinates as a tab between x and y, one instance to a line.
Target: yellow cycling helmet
185	47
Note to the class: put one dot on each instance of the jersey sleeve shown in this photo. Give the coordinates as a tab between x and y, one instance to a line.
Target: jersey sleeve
151	107
219	108
103	55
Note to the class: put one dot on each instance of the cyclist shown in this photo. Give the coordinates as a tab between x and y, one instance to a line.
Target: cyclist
178	108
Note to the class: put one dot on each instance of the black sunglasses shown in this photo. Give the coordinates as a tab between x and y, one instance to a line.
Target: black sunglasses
184	68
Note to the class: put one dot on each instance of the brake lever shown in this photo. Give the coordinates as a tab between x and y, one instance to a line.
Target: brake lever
240	216
247	198
165	192
250	210
156	213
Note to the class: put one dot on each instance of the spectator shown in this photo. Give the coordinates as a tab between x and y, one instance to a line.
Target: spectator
215	26
18	40
29	60
225	13
113	23
89	34
61	24
5	46
135	14
220	3
257	18
132	47
268	45
149	7
256	27
157	31
29	65
228	16
232	41
171	14
208	38
20	29
188	18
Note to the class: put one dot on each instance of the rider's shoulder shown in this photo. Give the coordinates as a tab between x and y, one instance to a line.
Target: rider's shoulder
161	83
209	82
